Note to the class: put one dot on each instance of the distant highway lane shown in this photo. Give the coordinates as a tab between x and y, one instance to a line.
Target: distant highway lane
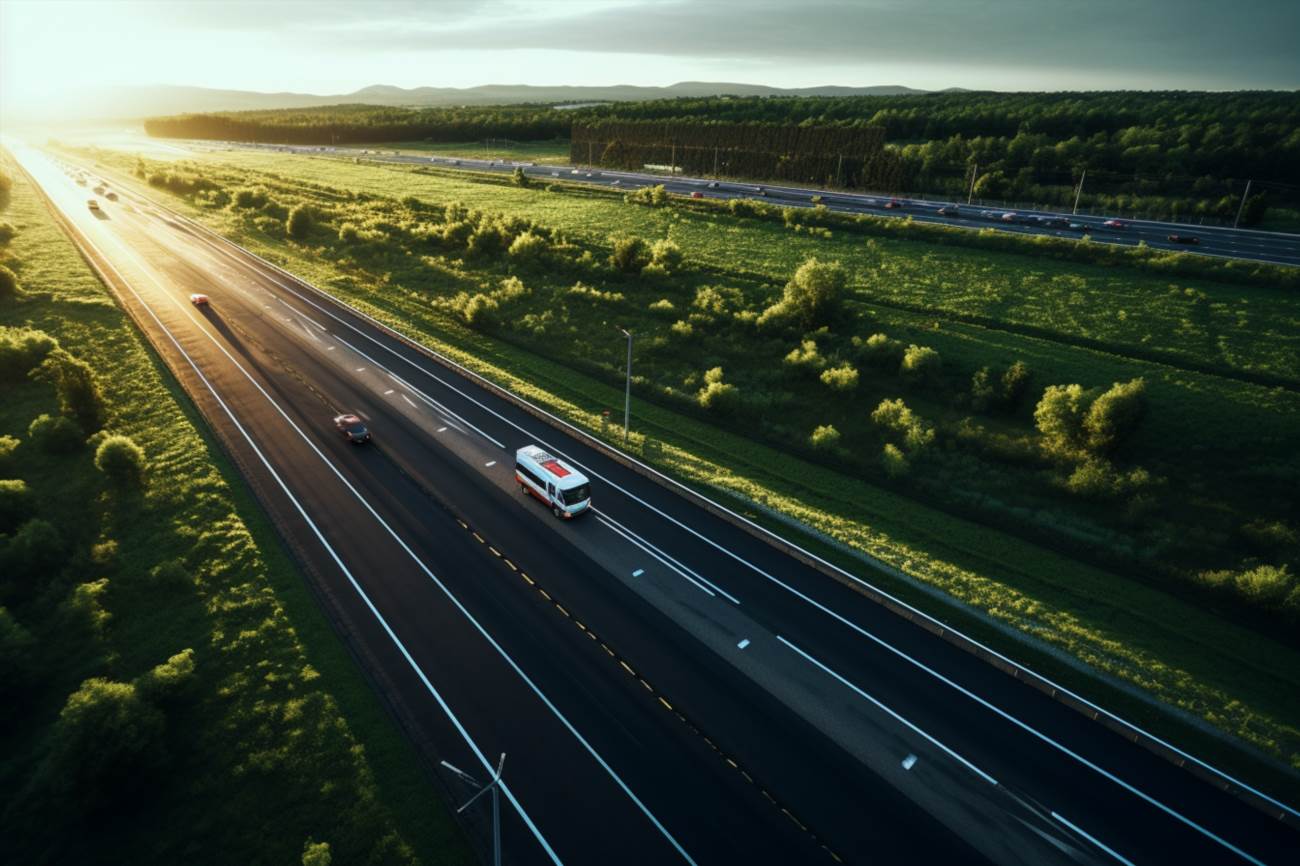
1246	244
667	687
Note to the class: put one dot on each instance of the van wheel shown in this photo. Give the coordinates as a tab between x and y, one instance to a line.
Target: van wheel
555	509
523	488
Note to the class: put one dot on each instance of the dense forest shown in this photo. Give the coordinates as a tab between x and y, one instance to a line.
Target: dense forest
355	124
1160	154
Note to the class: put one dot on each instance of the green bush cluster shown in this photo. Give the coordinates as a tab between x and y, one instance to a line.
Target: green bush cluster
813	297
122	462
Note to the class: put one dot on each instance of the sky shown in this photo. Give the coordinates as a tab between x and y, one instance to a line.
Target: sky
52	46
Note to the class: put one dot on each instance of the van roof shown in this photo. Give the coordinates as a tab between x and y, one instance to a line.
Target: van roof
564	474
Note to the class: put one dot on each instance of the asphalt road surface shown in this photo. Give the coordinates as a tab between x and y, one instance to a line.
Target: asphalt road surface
1247	244
666	686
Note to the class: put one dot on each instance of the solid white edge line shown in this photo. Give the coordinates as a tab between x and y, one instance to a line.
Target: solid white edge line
1093	839
420	563
692	581
437	696
860	692
667	558
672	482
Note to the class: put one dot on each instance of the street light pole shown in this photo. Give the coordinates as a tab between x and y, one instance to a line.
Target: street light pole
1241	207
493	787
627	393
974	170
1078	192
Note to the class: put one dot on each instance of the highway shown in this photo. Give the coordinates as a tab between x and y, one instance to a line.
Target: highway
667	686
1246	244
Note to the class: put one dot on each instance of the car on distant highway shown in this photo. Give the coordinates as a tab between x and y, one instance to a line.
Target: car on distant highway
110	195
697	194
760	191
352	428
1184	239
949	210
99	189
93	204
1077	227
1010	217
199	299
713	184
988	215
893	203
1115	224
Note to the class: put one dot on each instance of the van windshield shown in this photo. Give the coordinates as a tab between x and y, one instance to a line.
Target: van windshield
577	494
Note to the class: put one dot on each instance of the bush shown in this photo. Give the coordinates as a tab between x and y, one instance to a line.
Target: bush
105	735
121	460
841	378
316	854
1014	383
477	310
7	232
57	435
805	355
519	178
716	394
894	417
17	656
8	445
529	247
813	297
880	351
21	351
299	223
348	233
683	329
16	503
825	437
666	255
248	197
630	254
170	573
35	552
77	387
1114	415
893	461
1059	418
8	284
169	680
663	305
1266	585
647	195
1096	478
921	364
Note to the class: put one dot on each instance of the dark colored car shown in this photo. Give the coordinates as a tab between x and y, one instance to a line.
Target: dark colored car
1183	239
893	203
352	429
950	210
1115	224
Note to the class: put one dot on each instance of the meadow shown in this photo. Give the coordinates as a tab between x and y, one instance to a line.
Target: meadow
182	696
1143	523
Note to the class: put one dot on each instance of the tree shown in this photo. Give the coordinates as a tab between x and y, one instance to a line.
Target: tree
921	364
299	223
169	680
813	297
77	387
121	460
894	461
824	437
17	657
8	284
716	394
896	418
316	854
1059	417
666	256
34	552
841	378
630	254
1114	415
520	179
55	435
16	503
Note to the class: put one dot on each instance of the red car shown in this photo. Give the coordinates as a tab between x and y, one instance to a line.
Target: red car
1115	224
199	300
1183	239
697	194
893	203
352	429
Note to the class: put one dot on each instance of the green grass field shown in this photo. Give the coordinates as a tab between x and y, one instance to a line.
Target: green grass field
540	152
276	739
983	517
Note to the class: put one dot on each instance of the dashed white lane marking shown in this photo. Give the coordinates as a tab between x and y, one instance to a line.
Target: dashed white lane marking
361	369
638	572
490	463
909	761
389	391
330	349
364	415
442	429
744	643
409	401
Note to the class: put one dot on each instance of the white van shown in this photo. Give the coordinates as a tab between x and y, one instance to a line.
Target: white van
557	484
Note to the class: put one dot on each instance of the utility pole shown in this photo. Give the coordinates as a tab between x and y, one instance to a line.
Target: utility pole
672	169
715	161
974	172
496	802
589	152
1242	206
839	172
1079	192
627	394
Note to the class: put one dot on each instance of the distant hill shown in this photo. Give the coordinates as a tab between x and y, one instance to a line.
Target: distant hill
137	102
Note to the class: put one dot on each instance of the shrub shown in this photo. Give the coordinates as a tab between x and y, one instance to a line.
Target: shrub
813	297
1059	418
57	435
841	378
921	364
170	573
895	418
1014	382
805	355
7	232
247	197
1265	585
881	351
716	394
8	284
630	254
121	460
1114	415
299	223
8	445
316	854
17	657
666	255
893	461
77	387
663	305
528	247
16	503
169	680
105	735
683	329
22	350
647	195
824	437
477	310
34	552
747	207
348	233
489	239
519	178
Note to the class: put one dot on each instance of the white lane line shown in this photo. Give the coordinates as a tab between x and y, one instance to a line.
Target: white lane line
361	369
433	577
952	754
308	332
1094	840
744	643
442	429
432	403
389	391
437	696
701	587
267	270
664	557
638	572
409	401
909	762
489	464
330	349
